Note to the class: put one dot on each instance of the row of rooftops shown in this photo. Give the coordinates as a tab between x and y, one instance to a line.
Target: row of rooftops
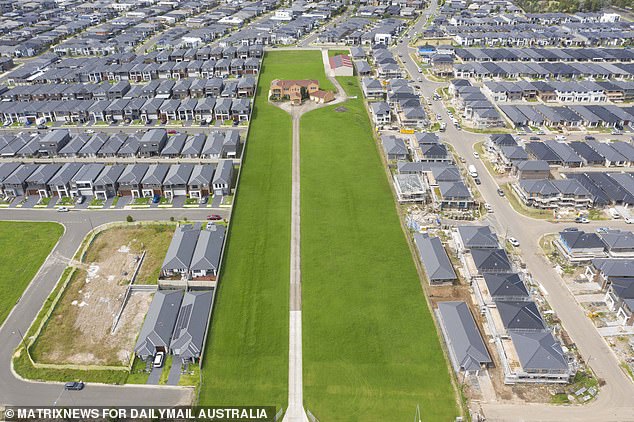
536	348
194	251
159	175
544	70
125	28
573	115
119	109
167	88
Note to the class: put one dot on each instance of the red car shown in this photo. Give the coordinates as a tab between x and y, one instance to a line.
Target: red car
214	217
171	132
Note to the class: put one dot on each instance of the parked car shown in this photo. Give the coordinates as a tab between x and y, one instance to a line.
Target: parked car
80	199
488	207
156	199
476	155
210	225
614	213
171	132
514	242
571	229
214	217
602	229
501	192
477	181
158	359
582	220
89	131
560	138
463	160
62	209
534	138
204	200
616	132
589	138
74	386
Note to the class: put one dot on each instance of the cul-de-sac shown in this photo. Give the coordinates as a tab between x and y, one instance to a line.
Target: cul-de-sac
318	211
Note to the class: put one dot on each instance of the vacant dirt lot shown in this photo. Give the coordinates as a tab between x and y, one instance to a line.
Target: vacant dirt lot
79	331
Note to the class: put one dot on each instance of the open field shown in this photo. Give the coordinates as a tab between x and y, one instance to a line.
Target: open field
371	350
79	330
246	357
24	247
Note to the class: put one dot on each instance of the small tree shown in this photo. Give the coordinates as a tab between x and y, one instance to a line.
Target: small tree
129	219
172	218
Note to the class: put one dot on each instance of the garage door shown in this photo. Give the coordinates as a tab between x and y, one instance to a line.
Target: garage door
180	192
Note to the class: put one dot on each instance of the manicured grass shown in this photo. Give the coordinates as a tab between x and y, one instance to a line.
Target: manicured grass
246	356
293	65
24	247
371	350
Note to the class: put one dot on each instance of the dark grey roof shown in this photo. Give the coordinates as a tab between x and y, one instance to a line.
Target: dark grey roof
505	286
615	267
43	174
191	324
181	249
88	173
478	237
520	315
581	240
208	249
159	322
493	260
538	351
434	258
155	174
466	347
223	172
133	174
202	174
65	174
178	174
616	240
109	175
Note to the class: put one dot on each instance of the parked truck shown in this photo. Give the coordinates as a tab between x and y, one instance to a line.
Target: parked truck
472	171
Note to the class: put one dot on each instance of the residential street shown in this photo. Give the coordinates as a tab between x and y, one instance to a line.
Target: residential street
14	391
614	401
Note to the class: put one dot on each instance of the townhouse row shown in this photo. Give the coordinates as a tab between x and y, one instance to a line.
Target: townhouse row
528	350
106	181
154	143
145	110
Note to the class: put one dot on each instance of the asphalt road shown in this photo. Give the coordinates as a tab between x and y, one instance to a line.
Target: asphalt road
615	401
14	391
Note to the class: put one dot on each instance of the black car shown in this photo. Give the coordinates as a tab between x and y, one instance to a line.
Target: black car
590	138
477	181
500	192
534	138
74	386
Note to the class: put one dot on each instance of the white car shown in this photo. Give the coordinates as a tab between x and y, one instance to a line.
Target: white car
476	155
62	209
514	242
158	359
488	207
90	131
560	138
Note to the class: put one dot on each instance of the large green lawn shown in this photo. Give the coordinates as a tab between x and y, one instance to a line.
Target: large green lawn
371	350
24	248
246	357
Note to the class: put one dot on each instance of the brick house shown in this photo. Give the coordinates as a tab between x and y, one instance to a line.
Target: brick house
293	89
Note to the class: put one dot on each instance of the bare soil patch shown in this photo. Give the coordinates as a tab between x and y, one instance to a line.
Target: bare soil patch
79	331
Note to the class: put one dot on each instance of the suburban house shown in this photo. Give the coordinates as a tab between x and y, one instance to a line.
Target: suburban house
193	257
158	326
394	148
294	90
579	247
438	267
189	333
223	178
467	349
